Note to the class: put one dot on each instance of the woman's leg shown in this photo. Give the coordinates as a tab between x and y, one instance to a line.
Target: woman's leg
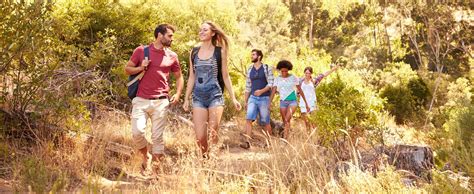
288	116
306	122
283	113
200	116
215	115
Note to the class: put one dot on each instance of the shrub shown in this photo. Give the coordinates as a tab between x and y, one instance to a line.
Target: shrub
344	104
455	141
442	183
419	91
400	103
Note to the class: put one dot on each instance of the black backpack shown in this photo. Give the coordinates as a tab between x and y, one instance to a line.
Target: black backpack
133	80
218	54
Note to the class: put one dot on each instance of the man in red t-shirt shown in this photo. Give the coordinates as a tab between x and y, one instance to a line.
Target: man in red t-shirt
153	91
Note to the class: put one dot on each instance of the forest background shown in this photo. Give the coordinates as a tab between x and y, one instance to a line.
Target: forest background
407	66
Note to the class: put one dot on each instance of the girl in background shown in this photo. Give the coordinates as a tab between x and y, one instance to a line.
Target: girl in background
308	86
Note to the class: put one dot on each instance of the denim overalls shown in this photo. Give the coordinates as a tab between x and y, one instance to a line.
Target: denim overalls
206	93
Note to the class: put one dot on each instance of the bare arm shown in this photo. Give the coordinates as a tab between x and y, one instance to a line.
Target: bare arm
180	84
272	94
302	96
331	70
190	84
263	90
132	69
246	98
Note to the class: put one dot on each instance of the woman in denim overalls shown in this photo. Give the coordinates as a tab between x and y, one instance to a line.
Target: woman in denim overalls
207	99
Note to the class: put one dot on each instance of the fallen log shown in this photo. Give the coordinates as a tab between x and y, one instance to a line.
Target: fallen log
112	147
181	118
120	149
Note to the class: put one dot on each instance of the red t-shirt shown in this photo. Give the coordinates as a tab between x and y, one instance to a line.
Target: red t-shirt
155	82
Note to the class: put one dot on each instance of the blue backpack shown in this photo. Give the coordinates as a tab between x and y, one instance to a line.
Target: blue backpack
134	80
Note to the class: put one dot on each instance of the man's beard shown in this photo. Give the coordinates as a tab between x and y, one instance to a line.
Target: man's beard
166	43
254	60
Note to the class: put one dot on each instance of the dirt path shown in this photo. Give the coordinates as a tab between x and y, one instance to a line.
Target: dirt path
230	154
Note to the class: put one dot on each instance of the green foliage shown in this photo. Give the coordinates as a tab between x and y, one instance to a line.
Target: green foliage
37	84
455	140
262	25
400	103
34	174
442	183
397	74
437	36
41	177
26	59
459	94
420	92
343	105
406	93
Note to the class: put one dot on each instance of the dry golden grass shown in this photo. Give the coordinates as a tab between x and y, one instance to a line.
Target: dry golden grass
299	165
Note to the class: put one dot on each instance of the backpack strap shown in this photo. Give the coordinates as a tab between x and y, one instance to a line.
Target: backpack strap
220	78
139	76
146	51
194	53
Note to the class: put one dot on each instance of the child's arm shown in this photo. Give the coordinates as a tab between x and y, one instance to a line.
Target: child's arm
321	76
332	70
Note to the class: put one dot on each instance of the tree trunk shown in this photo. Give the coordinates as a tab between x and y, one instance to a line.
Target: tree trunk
387	37
439	71
311	31
375	35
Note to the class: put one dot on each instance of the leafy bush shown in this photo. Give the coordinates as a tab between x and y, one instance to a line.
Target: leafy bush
345	104
38	88
419	91
455	141
40	177
407	103
442	183
400	103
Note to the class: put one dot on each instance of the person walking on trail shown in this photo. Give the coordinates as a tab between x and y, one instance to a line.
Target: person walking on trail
308	86
208	75
258	86
153	98
286	85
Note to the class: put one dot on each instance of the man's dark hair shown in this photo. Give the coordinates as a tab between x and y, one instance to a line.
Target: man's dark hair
259	53
310	69
162	29
284	64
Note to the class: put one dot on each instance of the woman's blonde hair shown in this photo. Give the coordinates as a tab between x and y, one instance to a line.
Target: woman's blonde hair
219	39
